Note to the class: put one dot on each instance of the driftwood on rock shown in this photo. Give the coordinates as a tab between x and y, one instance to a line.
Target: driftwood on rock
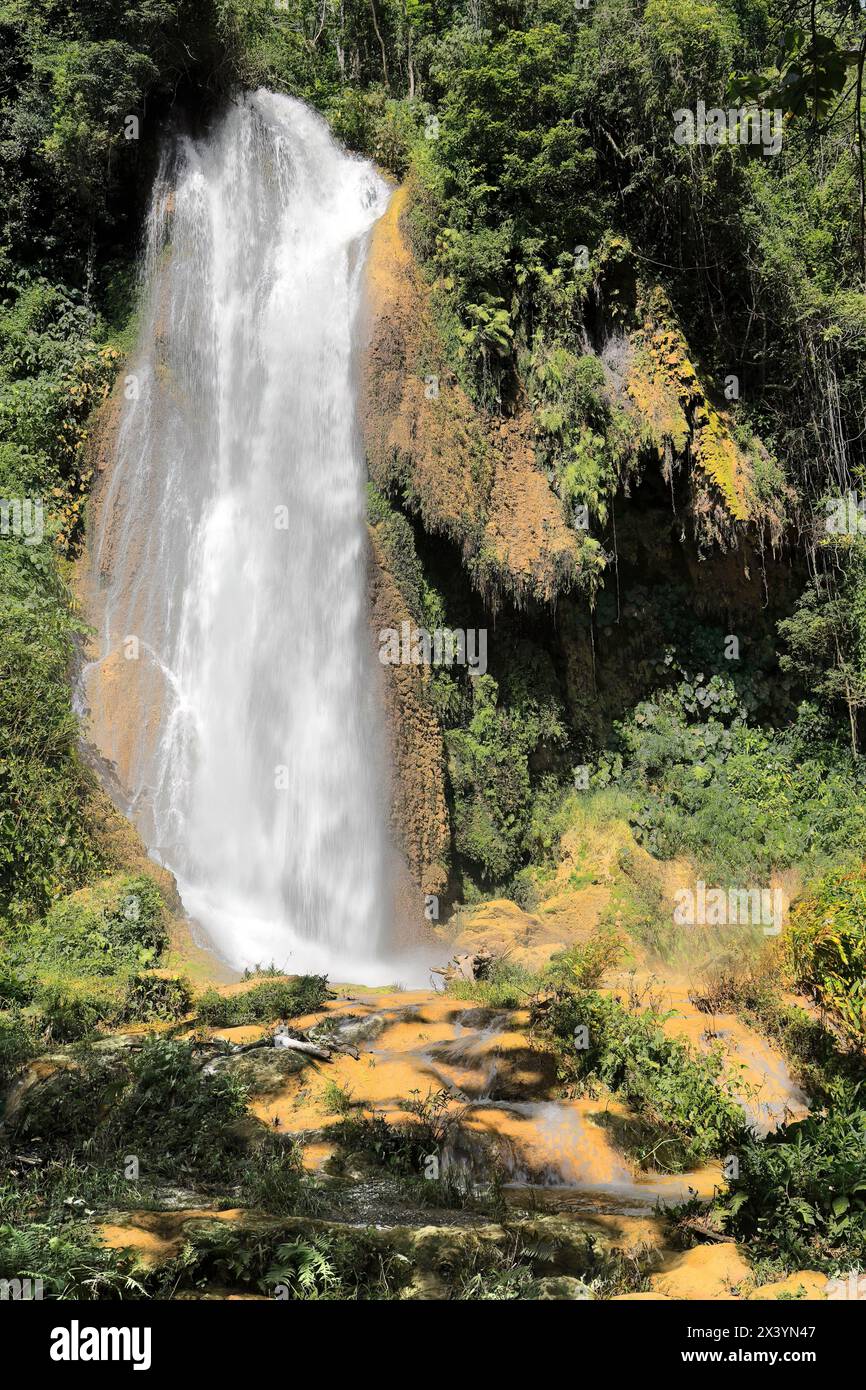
220	1049
706	1232
466	965
301	1045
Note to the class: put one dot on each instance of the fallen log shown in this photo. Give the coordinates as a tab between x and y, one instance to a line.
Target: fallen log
300	1045
706	1232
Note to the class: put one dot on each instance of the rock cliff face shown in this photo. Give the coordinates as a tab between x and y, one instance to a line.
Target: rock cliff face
419	427
467	479
475	487
466	476
419	812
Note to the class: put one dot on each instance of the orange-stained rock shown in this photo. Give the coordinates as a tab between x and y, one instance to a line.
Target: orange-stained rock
420	822
708	1271
468	476
807	1284
154	1236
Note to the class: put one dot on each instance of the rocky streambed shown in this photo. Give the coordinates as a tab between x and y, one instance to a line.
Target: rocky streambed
522	1177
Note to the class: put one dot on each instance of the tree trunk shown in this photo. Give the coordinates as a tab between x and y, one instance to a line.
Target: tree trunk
381	42
852	718
861	157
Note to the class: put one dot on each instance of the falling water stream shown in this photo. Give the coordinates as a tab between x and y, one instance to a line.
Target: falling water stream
234	691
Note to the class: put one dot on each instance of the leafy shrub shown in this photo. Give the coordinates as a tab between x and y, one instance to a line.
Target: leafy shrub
17	1044
273	1178
516	724
506	985
675	1090
266	1002
739	799
402	1149
825	1065
98	930
800	1194
638	905
584	966
375	125
336	1100
151	997
827	944
304	1268
155	1103
824	1069
586	440
69	1106
177	1119
44	847
394	533
55	367
69	1014
14	989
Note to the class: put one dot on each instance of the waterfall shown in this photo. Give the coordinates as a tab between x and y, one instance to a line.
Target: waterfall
234	691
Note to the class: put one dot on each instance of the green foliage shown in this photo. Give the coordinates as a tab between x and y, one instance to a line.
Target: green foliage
266	1002
69	1260
69	1012
680	1095
505	985
72	76
808	77
158	1105
56	364
152	997
336	1100
826	634
515	725
584	966
401	1149
638	907
306	1265
178	1119
373	124
119	923
395	534
304	1268
800	1194
69	1106
585	437
827	944
273	1178
44	848
742	800
554	132
17	1045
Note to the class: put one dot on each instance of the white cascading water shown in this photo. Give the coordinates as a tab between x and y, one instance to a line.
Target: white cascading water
235	688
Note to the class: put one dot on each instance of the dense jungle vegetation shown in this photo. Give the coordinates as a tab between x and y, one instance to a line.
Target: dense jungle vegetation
552	133
553	215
